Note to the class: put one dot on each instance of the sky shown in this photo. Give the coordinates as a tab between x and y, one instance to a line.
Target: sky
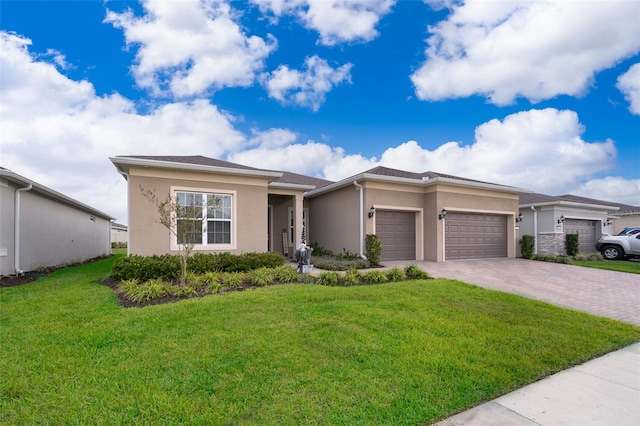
541	95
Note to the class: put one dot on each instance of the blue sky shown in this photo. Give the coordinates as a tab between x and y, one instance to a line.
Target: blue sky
539	95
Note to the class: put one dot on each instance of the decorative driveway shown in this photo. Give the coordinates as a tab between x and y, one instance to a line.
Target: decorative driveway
604	293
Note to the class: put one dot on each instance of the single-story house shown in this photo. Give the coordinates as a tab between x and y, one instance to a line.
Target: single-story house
119	233
40	227
417	216
549	218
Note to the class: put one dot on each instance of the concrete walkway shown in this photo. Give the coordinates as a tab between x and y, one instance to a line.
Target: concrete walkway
603	391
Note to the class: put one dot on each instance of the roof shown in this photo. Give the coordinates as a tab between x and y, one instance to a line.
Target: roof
387	174
535	199
39	188
212	165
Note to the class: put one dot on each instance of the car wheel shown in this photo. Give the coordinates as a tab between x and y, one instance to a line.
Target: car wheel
612	253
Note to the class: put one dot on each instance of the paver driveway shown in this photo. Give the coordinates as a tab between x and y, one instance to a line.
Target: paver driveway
596	291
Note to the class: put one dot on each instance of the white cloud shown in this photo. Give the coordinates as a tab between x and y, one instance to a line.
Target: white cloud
272	138
539	149
57	132
190	47
522	48
306	88
337	21
629	84
611	188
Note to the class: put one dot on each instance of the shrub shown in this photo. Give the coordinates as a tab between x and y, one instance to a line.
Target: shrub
320	251
232	279
212	281
286	274
347	255
551	258
395	274
261	276
374	277
329	278
527	246
118	244
182	290
373	248
591	257
143	292
146	268
332	264
414	273
572	244
352	277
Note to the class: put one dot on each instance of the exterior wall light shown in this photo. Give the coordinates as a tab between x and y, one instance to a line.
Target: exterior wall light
608	222
372	211
561	219
519	218
442	214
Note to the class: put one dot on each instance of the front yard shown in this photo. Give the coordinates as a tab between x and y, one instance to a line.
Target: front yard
400	353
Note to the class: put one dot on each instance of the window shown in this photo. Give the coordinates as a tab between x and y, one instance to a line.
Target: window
204	226
292	224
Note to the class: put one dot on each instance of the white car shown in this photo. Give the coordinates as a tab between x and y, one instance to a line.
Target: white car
619	246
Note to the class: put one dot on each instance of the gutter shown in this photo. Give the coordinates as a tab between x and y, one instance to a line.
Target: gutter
359	188
125	175
16	231
535	230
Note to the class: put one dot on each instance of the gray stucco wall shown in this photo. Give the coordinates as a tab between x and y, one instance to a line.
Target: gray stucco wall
51	232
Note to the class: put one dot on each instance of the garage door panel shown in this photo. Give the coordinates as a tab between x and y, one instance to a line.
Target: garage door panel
470	235
586	230
396	232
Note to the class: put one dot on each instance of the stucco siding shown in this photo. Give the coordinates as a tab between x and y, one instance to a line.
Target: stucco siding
51	233
148	237
7	221
334	219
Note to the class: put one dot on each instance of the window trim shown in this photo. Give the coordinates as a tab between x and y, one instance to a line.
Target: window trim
234	218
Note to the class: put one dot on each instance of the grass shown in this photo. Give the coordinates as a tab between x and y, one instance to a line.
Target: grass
632	267
400	353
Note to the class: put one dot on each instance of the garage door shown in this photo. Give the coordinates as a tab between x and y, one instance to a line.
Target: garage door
586	230
474	235
397	233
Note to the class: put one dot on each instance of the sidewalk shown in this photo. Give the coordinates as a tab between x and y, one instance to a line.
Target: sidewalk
604	391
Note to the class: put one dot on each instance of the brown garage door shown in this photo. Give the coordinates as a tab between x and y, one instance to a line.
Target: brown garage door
586	230
475	235
397	233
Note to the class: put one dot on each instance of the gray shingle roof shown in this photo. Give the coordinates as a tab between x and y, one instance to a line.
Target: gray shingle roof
534	198
287	177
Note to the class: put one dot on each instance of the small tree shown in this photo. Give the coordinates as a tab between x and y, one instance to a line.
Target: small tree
572	244
185	222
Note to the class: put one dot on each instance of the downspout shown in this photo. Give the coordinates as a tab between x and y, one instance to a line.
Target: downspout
535	230
126	177
359	188
16	232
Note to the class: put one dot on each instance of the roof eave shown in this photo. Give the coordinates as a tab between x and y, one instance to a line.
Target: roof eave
128	161
571	204
295	186
14	177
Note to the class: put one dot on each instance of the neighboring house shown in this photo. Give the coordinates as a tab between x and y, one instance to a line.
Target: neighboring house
118	233
40	227
549	218
417	216
621	216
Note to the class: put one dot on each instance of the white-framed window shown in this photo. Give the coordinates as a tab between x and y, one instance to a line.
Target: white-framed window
292	224
212	226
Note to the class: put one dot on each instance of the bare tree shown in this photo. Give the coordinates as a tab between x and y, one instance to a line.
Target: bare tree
184	221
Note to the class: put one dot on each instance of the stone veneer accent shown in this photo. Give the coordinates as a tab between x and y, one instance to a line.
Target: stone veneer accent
551	243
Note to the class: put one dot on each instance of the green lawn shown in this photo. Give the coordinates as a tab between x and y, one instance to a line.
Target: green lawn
402	353
632	267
